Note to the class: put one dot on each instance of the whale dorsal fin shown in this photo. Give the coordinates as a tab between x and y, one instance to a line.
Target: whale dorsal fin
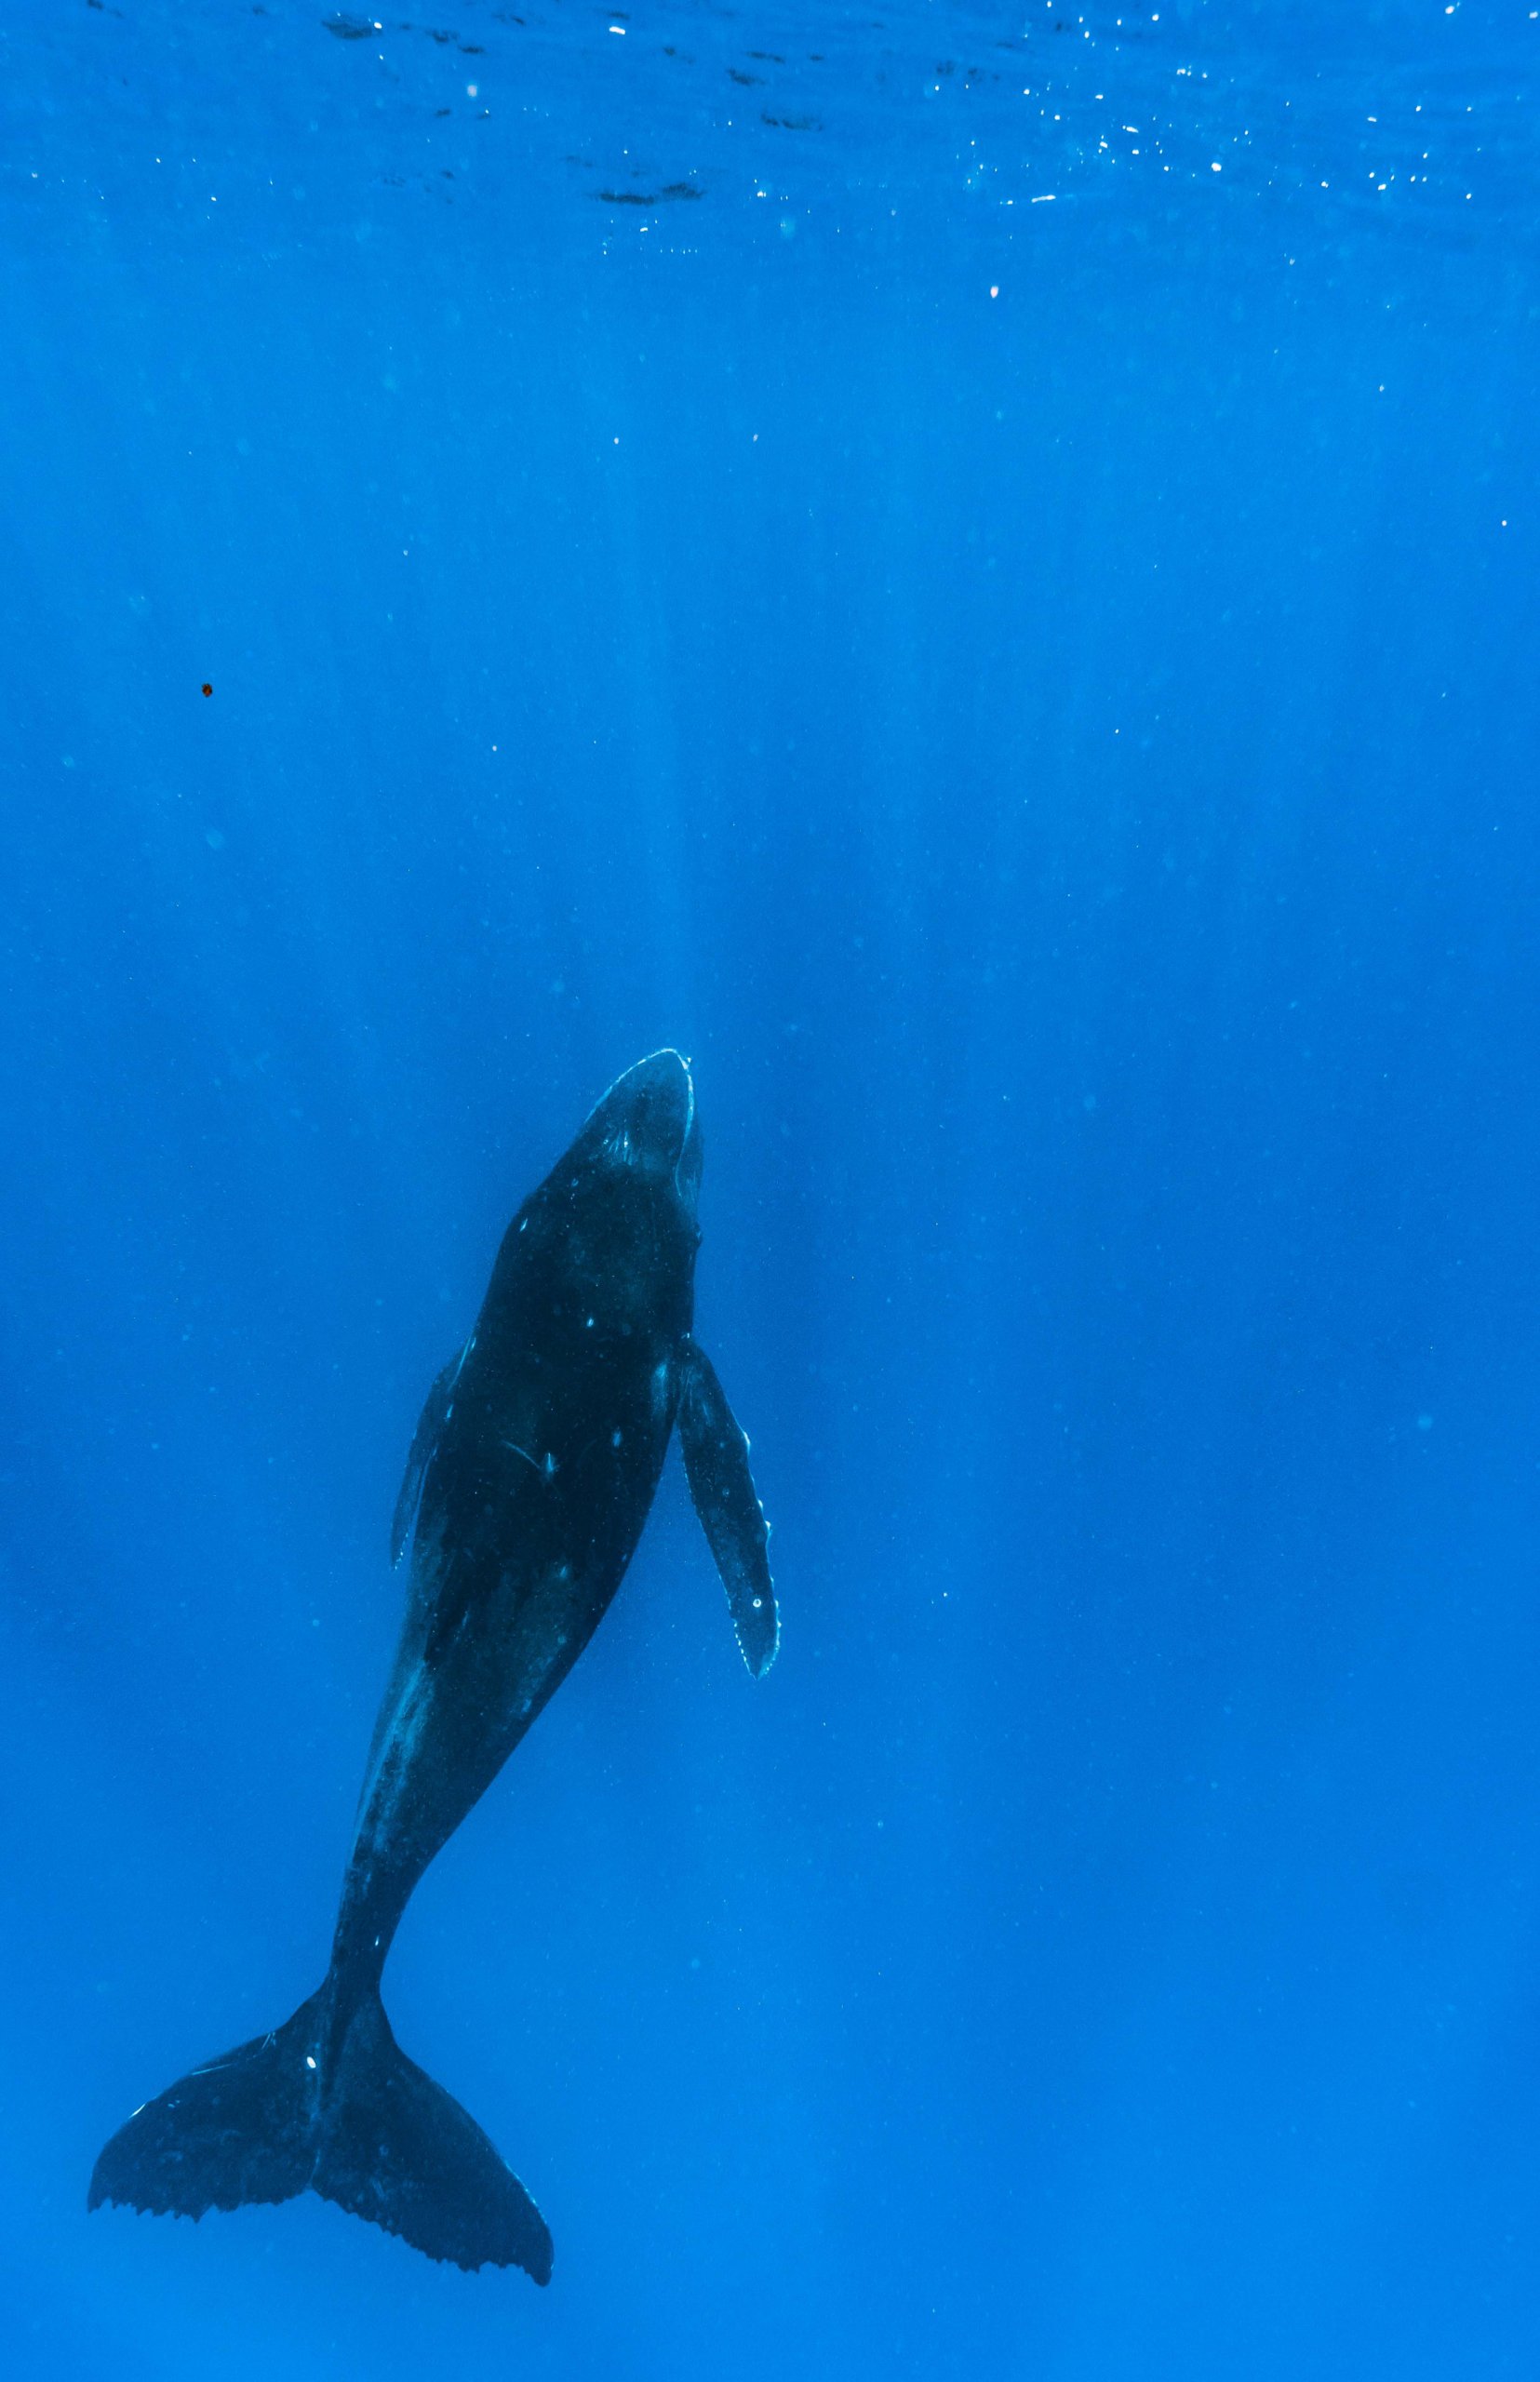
430	1423
717	1460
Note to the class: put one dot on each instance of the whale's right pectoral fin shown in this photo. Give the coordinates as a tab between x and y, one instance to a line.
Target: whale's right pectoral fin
430	1424
716	1461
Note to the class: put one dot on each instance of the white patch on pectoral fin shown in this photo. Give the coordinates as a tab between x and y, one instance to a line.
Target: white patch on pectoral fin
716	1461
430	1423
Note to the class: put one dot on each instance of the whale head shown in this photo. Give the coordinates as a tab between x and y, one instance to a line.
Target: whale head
611	1235
645	1125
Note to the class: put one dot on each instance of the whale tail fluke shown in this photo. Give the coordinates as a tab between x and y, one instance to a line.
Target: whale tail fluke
240	2129
361	2124
397	2149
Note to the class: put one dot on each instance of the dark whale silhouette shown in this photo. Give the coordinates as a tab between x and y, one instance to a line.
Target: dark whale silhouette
528	1482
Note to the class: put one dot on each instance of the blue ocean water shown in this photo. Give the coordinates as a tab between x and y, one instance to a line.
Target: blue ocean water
976	571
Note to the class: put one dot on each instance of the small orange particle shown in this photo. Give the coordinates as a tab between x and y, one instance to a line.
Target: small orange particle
207	687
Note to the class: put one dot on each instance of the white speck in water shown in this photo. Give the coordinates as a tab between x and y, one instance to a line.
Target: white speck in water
309	2062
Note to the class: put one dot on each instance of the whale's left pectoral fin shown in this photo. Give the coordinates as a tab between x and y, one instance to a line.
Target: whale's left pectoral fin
431	1422
716	1461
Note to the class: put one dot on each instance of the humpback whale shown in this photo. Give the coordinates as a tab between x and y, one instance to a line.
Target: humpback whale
528	1482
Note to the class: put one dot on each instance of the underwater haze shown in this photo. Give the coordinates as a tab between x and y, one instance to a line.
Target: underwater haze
975	571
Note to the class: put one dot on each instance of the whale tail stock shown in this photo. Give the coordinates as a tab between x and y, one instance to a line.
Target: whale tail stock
358	2122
